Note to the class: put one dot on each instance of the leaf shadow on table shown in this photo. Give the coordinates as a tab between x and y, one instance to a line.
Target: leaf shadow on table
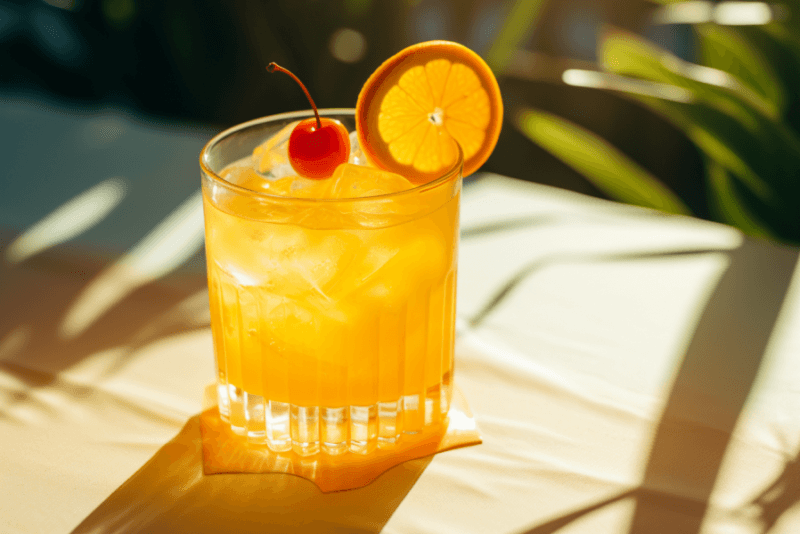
37	294
710	389
779	496
170	493
511	224
80	299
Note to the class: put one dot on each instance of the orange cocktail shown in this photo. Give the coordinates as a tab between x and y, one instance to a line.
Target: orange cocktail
331	244
332	302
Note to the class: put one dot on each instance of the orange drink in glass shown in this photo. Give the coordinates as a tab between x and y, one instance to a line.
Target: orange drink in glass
332	301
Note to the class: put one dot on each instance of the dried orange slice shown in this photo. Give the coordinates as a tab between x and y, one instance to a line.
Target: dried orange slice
421	99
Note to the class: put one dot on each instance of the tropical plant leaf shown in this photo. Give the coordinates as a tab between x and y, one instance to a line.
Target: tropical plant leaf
788	38
720	138
731	51
602	164
729	207
762	152
518	26
626	53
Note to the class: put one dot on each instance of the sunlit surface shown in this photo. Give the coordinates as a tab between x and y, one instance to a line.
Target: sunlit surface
192	312
68	221
605	383
169	245
725	13
601	80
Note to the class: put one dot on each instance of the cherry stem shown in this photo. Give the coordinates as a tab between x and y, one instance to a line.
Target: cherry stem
272	67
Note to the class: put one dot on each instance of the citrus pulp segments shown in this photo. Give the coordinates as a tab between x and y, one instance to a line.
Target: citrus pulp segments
416	102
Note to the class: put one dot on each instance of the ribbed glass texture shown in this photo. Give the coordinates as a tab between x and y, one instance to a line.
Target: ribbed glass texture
333	321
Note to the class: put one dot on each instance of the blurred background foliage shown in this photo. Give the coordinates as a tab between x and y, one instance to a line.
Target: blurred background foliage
688	107
735	100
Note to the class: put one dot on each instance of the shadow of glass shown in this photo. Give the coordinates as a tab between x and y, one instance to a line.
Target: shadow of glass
170	493
710	389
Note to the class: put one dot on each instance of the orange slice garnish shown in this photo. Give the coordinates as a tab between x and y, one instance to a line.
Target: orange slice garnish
421	99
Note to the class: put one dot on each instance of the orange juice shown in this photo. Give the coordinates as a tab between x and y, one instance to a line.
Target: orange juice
332	301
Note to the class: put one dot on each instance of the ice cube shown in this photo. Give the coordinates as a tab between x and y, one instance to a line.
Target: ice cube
279	171
418	260
239	276
239	173
326	258
245	176
356	155
285	322
371	256
282	186
252	252
303	330
244	173
356	181
288	260
271	158
310	188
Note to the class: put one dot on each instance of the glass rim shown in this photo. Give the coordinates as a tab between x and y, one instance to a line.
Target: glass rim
446	176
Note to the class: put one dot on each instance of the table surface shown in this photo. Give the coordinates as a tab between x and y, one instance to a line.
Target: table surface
631	372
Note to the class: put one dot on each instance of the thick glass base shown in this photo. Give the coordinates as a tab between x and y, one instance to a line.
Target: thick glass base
331	430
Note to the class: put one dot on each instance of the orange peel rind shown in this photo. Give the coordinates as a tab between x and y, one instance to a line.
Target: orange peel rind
419	101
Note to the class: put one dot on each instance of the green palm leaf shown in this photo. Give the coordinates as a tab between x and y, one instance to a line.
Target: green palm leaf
606	167
730	51
759	151
518	25
728	205
626	53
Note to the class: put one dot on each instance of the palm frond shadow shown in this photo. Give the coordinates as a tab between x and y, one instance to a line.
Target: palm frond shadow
35	298
506	225
712	385
780	495
660	499
33	381
520	276
189	314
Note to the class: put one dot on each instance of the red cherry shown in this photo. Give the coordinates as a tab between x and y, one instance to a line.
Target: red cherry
316	146
316	151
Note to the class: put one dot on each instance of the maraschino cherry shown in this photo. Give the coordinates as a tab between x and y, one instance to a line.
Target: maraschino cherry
316	146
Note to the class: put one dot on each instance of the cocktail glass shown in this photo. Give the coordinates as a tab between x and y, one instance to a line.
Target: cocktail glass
332	318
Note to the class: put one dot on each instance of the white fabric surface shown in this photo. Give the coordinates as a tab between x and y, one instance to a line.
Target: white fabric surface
637	367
